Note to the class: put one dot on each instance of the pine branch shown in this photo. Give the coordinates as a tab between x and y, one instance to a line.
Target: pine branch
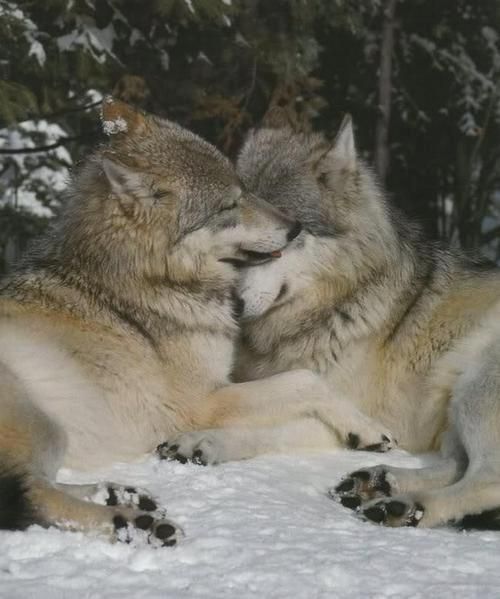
60	142
64	112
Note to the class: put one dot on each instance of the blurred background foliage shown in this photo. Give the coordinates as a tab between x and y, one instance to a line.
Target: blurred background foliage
420	77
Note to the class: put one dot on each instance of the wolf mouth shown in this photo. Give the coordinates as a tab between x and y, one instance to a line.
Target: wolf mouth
251	257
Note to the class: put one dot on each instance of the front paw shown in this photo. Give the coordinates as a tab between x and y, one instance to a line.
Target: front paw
133	526
395	512
362	486
380	442
202	448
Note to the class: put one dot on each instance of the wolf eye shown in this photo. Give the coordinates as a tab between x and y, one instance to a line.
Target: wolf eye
228	207
158	194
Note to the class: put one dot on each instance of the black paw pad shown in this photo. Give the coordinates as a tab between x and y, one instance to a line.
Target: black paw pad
112	497
351	501
144	522
363	475
119	522
353	440
345	486
375	514
198	458
396	508
146	504
164	532
180	458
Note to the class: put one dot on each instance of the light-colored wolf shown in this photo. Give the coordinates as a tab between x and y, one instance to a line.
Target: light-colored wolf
406	330
117	330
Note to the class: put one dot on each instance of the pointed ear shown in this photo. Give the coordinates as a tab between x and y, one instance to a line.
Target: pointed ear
121	118
125	182
344	148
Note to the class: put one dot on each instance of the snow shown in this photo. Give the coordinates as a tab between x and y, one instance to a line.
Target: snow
257	529
97	42
30	170
190	5
117	125
38	52
11	10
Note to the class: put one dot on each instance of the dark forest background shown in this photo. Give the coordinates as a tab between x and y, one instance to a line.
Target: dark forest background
420	77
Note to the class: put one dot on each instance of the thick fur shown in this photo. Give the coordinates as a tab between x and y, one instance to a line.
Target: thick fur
117	330
406	330
16	509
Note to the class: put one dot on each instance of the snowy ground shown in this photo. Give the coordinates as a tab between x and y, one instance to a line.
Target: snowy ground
262	528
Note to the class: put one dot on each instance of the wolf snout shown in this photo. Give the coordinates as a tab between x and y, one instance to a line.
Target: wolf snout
294	231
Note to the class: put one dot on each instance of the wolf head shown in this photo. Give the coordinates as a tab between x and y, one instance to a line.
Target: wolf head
160	203
346	227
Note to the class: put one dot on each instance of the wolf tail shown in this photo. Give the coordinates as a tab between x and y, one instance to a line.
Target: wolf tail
16	509
487	520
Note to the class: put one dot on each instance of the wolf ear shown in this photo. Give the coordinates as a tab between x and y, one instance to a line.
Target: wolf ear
125	182
344	148
119	118
341	152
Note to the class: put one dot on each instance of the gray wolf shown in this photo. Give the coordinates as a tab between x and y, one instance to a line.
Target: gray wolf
117	330
406	330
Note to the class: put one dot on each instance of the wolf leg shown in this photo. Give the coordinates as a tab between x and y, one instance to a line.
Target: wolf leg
275	415
379	481
215	446
475	416
53	507
32	448
288	396
376	482
469	496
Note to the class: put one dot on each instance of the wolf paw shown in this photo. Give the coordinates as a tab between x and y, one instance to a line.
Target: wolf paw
156	530
128	496
394	512
202	448
382	443
362	486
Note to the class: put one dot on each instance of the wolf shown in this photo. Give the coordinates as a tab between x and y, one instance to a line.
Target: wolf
117	330
405	329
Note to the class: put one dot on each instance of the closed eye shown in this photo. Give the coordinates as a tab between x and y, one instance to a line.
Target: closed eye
159	194
228	207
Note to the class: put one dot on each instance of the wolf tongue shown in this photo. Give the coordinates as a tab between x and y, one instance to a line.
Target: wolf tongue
276	254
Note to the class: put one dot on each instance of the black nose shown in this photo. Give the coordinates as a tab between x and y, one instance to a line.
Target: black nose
294	231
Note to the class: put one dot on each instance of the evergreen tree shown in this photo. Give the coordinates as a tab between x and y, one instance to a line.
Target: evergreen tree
432	109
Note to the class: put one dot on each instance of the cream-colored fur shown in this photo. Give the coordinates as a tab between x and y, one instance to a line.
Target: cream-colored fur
404	330
117	331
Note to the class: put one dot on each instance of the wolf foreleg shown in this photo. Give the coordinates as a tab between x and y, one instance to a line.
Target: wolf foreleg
289	411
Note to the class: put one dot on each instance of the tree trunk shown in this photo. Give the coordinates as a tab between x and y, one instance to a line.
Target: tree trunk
384	91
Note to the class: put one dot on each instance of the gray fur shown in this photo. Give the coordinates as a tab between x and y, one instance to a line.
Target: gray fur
117	329
406	330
